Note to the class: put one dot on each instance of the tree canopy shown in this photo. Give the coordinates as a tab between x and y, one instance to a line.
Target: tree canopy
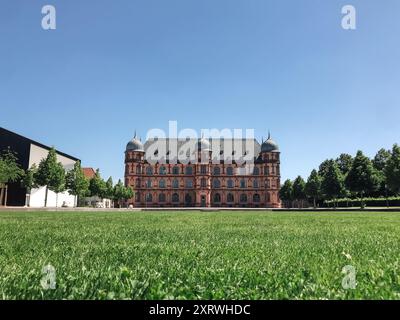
392	170
10	170
313	186
50	173
362	178
77	183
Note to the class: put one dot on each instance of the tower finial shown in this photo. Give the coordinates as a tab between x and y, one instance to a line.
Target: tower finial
135	134
269	134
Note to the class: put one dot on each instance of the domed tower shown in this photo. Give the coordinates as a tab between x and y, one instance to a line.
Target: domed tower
271	158
134	161
269	146
203	173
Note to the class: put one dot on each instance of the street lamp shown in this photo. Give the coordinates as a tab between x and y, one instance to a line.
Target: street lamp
386	195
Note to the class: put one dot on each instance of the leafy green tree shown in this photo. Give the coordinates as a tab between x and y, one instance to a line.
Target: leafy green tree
76	182
379	163
29	182
97	186
50	174
128	193
344	163
299	190
380	159
323	167
10	171
313	187
122	193
57	184
392	170
119	192
110	188
362	178
332	181
286	192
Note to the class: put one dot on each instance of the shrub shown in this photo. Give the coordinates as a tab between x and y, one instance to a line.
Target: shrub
369	202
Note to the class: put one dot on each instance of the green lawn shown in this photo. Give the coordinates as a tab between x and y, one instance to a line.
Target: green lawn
193	255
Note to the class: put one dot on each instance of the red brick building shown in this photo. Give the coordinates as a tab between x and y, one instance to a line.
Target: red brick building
215	175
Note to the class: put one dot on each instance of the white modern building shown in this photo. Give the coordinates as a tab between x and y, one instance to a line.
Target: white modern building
30	152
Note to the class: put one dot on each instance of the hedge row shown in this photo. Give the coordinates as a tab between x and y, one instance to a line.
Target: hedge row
369	202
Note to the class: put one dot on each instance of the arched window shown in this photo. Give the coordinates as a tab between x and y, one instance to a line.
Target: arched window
267	184
256	171
189	183
217	198
216	183
148	183
243	183
255	183
203	183
137	196
138	169
175	170
163	170
256	197
230	183
268	197
175	197
230	197
189	171
243	197
229	171
266	171
217	171
149	171
175	183
161	184
203	169
161	197
188	198
137	183
149	197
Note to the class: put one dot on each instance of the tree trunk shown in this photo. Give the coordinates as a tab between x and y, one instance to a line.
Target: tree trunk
315	204
1	194
45	197
57	200
28	198
5	198
362	200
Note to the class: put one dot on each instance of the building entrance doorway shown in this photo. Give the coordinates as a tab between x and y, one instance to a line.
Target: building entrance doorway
203	201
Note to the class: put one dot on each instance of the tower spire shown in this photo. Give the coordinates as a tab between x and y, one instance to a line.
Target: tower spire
269	134
135	134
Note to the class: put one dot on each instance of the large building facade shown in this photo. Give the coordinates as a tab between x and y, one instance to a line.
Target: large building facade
213	173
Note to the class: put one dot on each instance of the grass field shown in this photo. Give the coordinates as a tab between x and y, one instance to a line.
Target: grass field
193	255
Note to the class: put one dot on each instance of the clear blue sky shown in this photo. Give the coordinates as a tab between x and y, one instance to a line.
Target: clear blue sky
115	66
